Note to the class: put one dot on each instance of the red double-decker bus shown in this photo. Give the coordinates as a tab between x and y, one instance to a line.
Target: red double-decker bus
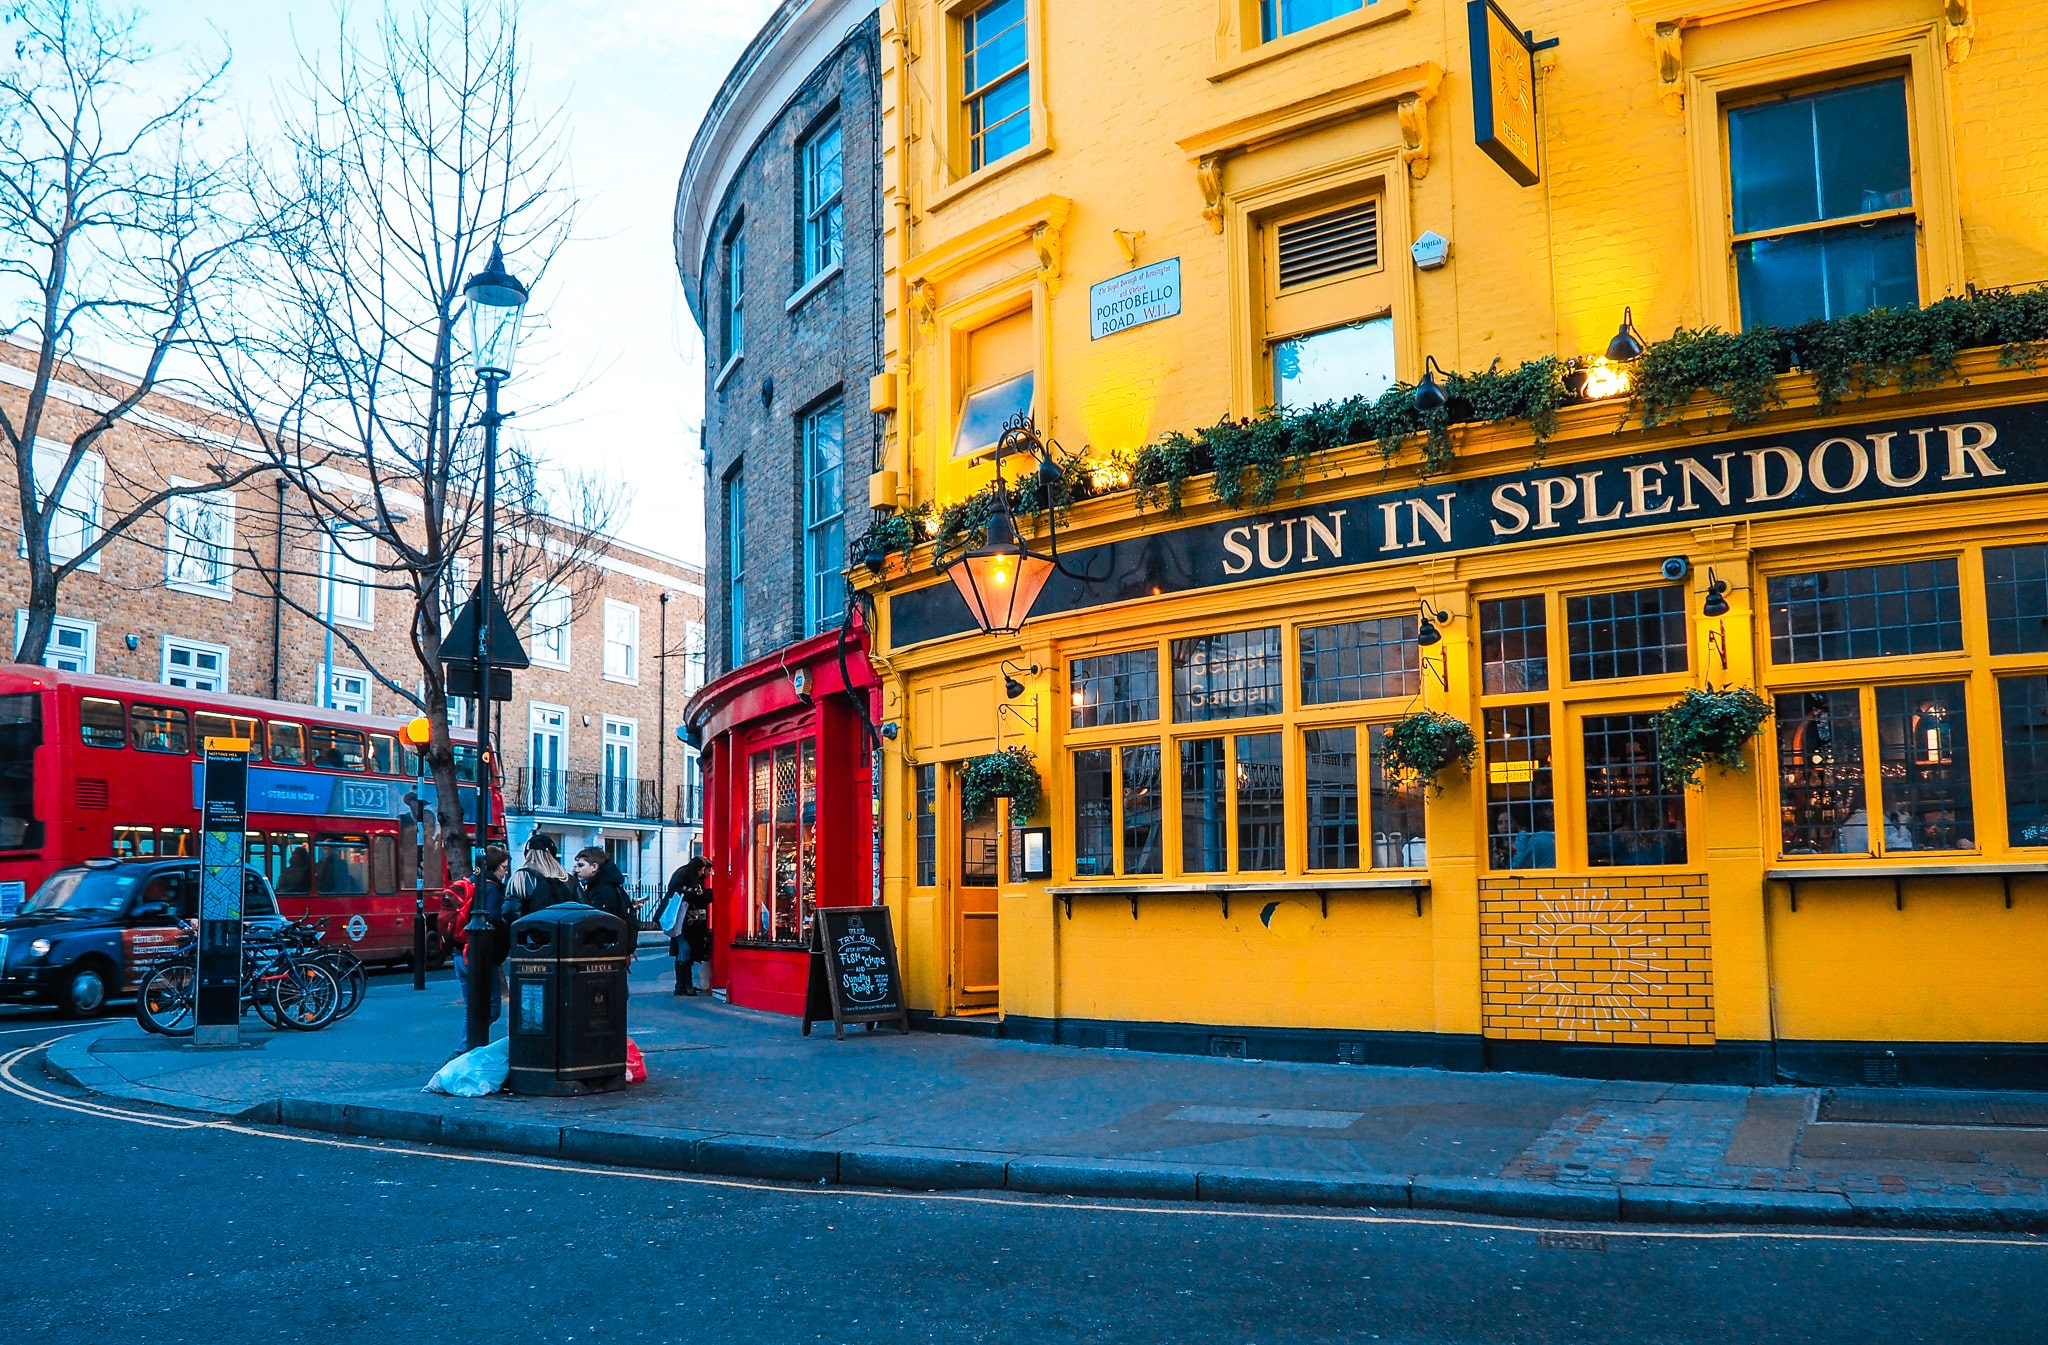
106	767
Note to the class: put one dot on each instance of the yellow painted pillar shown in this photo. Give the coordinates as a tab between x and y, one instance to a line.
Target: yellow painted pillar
1455	816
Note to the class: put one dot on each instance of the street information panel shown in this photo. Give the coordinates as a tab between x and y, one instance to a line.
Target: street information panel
218	1011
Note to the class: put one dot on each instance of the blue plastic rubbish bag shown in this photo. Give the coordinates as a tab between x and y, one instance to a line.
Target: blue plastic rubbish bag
477	1073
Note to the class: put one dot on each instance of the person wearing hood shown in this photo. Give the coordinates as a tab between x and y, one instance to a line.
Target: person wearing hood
599	883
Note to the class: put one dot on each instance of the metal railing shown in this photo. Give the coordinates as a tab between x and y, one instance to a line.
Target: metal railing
586	793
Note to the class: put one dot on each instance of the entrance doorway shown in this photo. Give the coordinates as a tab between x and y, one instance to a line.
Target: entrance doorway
973	875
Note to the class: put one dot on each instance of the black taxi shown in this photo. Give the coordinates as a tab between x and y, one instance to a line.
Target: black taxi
93	930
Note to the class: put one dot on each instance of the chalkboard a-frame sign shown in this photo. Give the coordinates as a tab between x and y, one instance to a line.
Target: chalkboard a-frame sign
854	977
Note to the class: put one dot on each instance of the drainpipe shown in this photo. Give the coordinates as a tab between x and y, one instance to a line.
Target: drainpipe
277	602
661	753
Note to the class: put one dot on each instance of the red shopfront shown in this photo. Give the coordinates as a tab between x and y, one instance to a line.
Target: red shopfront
788	808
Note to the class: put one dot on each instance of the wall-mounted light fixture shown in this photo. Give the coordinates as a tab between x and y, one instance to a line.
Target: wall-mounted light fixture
1716	602
1012	688
1426	629
1627	344
1001	579
1430	394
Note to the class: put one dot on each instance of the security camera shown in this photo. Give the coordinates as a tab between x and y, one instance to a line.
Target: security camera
1676	568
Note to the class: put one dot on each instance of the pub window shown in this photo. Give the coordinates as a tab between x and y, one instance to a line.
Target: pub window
1634	633
1328	301
1871	611
927	789
1204	807
980	850
1115	688
159	728
341	865
2023	722
1633	816
1261	789
1514	651
1521	822
1278	18
1250	785
207	725
1118	811
1820	773
102	722
1330	773
1821	202
995	82
1231	676
2016	598
1924	763
1396	811
1359	660
335	749
287	743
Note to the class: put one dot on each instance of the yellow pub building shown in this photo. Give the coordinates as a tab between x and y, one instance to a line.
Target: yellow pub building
1129	221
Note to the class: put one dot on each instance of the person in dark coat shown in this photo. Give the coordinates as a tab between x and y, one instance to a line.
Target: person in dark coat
690	942
599	883
539	883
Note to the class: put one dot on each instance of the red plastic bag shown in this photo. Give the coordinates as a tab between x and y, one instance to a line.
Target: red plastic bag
636	1064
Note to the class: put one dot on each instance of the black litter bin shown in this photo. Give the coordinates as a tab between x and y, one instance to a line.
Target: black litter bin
568	969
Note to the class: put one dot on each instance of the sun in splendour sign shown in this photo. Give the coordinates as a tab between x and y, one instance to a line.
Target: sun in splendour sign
1134	299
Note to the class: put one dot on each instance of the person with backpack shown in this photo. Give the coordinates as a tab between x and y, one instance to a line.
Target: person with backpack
539	883
482	960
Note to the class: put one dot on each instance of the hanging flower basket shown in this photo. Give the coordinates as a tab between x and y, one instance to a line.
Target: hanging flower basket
1007	774
1428	742
1704	728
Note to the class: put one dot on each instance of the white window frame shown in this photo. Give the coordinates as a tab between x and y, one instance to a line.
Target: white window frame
89	482
179	535
629	671
544	598
336	700
89	629
693	787
333	550
693	656
557	791
178	644
605	775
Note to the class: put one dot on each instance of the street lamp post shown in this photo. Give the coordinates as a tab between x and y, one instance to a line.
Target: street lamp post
496	301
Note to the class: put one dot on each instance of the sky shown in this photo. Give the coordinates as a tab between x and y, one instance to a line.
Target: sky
622	376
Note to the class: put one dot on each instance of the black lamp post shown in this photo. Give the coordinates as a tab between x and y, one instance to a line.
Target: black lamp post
496	301
1001	579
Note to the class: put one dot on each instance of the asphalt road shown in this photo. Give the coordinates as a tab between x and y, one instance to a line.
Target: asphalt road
121	1224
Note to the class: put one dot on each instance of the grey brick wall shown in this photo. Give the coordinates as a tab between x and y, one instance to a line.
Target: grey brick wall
795	359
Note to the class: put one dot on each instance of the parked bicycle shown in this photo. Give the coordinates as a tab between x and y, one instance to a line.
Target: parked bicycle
290	981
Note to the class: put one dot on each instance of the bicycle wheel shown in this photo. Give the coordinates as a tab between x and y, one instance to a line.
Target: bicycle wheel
306	996
354	981
167	1002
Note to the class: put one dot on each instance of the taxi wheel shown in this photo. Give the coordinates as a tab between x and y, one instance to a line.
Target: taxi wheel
85	991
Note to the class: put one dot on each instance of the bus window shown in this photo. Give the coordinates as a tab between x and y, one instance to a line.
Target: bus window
341	865
384	863
287	743
465	763
178	841
102	722
225	726
134	842
159	728
21	733
292	851
383	752
412	762
334	749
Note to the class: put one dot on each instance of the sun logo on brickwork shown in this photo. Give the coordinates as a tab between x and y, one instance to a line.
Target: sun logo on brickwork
1587	958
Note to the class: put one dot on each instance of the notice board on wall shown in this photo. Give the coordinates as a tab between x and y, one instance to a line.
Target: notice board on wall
854	975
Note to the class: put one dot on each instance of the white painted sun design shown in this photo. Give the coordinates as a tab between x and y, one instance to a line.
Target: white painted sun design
1627	956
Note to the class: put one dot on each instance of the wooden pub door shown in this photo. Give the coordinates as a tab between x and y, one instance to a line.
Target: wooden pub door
976	974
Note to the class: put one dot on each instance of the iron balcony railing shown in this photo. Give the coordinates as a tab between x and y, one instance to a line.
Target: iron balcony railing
587	793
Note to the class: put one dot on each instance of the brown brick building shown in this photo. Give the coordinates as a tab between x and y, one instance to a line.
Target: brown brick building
239	590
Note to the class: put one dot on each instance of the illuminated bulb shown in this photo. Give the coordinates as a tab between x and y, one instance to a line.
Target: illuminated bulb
1605	378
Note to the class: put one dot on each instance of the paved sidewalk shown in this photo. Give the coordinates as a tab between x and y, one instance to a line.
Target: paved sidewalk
742	1093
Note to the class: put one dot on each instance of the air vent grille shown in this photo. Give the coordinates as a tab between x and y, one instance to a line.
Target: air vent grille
1327	245
90	794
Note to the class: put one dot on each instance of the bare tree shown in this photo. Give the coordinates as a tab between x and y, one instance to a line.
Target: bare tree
409	155
118	233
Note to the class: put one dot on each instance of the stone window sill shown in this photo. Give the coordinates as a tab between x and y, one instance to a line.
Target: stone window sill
812	286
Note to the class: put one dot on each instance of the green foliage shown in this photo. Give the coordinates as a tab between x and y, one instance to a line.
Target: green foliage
1425	744
895	534
1704	728
1007	774
1740	369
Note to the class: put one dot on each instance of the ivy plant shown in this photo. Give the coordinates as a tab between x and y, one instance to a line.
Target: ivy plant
1703	728
1425	744
1008	774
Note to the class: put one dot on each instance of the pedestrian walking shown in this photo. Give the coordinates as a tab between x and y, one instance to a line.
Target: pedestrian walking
481	956
688	916
600	883
540	881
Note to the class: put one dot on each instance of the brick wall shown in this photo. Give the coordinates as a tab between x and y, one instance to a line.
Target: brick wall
796	359
1610	959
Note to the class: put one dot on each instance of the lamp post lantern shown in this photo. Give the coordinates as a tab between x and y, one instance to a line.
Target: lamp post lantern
496	302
